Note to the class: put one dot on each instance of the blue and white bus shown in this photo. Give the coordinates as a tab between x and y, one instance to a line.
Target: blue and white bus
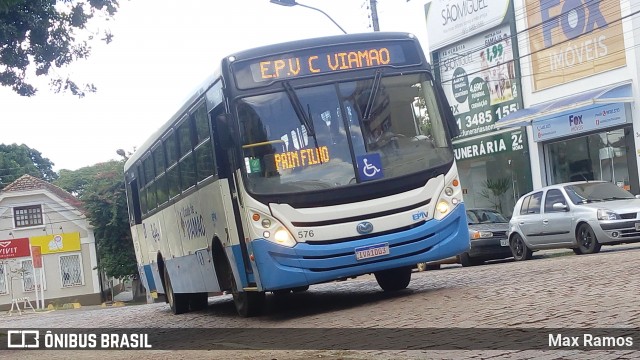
297	164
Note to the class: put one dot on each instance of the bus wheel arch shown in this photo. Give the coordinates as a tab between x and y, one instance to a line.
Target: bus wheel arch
222	272
160	262
247	303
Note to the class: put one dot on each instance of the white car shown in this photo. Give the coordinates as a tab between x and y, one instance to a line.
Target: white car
581	215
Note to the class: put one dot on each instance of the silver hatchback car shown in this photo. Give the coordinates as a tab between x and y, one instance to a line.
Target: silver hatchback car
581	215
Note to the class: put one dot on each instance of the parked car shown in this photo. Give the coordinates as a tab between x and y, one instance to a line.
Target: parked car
581	215
488	237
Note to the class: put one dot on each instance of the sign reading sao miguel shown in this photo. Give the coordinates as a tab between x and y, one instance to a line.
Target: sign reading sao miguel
480	79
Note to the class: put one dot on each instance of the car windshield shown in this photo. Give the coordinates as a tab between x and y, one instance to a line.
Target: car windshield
303	139
595	192
482	216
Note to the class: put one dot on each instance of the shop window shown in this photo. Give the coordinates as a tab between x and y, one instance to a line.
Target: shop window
26	216
71	270
29	278
600	156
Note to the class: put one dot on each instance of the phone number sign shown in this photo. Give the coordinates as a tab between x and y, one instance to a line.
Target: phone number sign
481	79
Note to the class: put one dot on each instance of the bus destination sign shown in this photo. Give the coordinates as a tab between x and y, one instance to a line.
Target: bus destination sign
317	61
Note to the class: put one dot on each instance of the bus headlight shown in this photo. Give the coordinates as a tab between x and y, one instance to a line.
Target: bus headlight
270	229
449	198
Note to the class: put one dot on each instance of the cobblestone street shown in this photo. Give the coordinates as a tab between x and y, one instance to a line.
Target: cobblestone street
556	289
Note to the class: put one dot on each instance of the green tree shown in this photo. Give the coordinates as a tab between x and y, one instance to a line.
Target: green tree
17	160
101	189
44	34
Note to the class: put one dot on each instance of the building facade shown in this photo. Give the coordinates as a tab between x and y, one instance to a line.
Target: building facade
46	244
572	114
475	57
580	77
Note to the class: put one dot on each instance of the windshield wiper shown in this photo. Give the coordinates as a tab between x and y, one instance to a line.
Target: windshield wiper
299	110
372	95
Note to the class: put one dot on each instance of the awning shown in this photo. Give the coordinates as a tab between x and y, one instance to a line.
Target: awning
609	95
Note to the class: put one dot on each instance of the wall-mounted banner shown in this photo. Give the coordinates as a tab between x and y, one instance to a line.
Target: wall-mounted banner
579	38
50	244
489	145
481	79
449	21
579	121
13	248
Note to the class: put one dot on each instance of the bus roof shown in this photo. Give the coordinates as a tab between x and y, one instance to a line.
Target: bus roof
258	52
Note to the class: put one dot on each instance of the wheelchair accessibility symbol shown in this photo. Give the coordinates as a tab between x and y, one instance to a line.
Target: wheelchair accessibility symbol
369	167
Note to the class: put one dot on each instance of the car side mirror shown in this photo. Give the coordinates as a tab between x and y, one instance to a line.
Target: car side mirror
224	130
560	207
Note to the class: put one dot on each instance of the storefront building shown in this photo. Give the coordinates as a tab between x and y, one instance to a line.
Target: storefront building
475	59
579	77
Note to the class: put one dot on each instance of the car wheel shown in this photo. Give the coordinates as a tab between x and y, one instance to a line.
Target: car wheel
587	241
519	249
466	260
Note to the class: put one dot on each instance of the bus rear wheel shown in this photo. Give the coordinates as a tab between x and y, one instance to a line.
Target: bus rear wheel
198	301
179	303
394	279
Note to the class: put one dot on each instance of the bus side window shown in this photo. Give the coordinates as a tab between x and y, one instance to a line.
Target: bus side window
187	159
205	164
173	175
149	175
162	194
142	191
133	198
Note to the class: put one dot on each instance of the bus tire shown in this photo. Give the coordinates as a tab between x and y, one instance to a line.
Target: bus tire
198	301
179	303
248	303
394	279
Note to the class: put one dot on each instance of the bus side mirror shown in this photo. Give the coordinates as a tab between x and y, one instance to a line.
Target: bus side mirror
449	118
224	130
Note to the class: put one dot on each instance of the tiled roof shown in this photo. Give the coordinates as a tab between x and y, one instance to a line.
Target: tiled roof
27	182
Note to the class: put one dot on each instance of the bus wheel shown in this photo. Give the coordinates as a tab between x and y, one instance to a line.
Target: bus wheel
394	279
198	301
179	303
300	289
248	303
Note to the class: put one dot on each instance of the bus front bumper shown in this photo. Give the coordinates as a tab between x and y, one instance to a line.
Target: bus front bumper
281	267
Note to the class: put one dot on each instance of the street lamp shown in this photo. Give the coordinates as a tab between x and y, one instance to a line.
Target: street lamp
294	3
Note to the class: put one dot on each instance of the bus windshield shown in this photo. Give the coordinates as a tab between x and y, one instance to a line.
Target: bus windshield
309	138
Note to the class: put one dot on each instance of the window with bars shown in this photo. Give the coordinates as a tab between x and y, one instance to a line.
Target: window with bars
4	288
28	216
71	270
28	276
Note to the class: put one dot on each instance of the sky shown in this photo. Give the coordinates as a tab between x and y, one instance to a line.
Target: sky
161	52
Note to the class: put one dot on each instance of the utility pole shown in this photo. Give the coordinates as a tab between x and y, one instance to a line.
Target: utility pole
374	15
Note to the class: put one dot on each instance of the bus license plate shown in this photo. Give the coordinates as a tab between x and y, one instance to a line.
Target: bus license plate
504	242
637	226
371	251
